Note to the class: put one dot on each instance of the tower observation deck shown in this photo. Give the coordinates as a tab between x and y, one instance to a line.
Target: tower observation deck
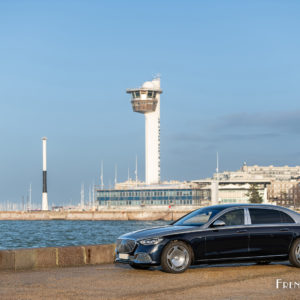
146	100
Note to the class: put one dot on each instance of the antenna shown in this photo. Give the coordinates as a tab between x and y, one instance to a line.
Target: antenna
157	76
93	194
136	170
116	173
30	192
217	169
215	185
82	196
101	177
90	196
128	174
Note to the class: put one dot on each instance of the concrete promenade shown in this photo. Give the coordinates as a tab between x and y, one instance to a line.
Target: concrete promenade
121	282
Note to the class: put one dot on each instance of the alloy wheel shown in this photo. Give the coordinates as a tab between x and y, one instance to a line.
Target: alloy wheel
177	258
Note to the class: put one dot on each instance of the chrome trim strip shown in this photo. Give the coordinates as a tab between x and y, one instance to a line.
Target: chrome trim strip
247	217
244	257
254	225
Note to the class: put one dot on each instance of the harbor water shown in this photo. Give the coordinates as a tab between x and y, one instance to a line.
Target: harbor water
58	233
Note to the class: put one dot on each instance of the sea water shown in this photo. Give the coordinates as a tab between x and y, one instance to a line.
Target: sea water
57	233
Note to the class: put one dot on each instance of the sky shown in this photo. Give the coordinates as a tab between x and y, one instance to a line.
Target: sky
230	73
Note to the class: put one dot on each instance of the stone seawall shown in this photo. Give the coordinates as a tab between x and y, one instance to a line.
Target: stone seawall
21	259
118	215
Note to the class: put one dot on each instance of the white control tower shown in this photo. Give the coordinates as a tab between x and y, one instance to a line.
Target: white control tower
146	100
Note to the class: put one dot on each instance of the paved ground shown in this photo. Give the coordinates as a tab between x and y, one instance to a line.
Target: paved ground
122	282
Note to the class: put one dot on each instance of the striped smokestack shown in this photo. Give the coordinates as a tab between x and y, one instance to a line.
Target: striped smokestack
45	194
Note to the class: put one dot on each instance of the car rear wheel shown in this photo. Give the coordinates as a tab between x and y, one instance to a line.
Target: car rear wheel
294	255
176	257
139	267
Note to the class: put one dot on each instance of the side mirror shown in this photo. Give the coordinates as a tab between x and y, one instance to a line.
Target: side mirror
218	223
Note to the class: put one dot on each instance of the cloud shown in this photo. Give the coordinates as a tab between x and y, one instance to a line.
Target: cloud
288	121
223	137
242	126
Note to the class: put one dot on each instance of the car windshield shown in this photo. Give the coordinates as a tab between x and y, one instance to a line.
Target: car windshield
198	217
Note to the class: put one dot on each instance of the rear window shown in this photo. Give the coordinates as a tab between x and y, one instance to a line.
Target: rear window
268	216
285	218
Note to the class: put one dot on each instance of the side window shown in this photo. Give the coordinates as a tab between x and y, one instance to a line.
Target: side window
234	217
285	218
264	216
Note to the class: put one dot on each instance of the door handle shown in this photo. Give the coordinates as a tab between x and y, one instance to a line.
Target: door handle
242	231
284	229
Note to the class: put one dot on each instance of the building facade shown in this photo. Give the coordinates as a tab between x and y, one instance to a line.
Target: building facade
160	195
235	190
284	181
285	193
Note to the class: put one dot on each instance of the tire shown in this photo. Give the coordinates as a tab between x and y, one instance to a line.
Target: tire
294	255
139	267
176	257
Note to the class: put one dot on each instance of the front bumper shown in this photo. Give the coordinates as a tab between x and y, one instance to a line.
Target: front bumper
144	255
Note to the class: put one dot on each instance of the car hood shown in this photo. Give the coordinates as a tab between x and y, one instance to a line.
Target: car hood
157	232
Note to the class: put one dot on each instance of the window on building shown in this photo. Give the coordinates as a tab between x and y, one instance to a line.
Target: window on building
150	94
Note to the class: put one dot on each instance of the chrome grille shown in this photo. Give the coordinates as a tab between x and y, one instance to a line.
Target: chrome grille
125	246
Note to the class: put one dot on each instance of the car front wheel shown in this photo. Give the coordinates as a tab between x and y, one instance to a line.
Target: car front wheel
294	255
176	257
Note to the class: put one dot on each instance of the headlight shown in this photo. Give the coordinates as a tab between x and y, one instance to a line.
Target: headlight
153	241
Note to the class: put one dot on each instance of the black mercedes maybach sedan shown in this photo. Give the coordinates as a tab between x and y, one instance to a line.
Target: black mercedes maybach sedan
214	234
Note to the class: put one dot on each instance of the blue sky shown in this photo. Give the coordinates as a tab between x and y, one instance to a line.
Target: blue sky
229	73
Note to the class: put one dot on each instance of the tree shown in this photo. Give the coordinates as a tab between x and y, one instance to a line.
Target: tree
253	194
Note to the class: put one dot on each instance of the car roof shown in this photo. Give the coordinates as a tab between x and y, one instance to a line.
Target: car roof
224	206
